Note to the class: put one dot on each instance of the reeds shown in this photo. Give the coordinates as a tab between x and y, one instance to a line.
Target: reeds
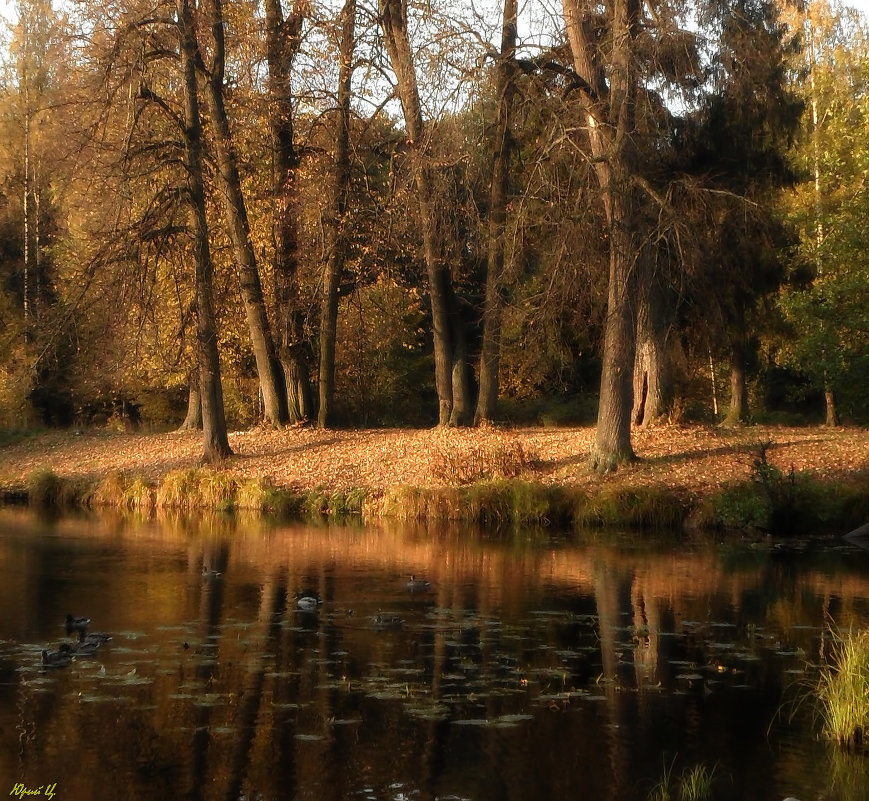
45	489
843	690
694	784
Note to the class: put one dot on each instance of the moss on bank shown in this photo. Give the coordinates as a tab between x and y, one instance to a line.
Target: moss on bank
774	503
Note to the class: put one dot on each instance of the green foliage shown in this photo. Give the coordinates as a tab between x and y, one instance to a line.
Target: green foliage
843	690
789	503
826	306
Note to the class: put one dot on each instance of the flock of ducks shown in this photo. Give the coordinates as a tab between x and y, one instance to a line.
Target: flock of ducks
85	644
307	601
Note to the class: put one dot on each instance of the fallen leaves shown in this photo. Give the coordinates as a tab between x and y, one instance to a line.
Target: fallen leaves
697	459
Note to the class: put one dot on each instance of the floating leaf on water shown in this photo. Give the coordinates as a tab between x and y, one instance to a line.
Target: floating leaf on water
435	712
511	720
309	737
471	722
690	677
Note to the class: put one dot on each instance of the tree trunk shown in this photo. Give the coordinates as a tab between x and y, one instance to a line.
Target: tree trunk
490	356
295	359
338	247
235	211
737	414
653	388
283	37
449	361
215	440
608	95
832	418
193	420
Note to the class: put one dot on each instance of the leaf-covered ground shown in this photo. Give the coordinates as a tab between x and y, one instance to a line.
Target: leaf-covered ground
695	459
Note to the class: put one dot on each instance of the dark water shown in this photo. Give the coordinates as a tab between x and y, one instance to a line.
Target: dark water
531	668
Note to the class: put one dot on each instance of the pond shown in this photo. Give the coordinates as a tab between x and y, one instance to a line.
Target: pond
530	666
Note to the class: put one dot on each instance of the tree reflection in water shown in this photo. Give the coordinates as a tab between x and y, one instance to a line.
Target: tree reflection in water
531	666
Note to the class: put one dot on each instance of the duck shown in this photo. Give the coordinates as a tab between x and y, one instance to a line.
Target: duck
56	659
308	601
382	622
415	584
79	624
97	637
85	647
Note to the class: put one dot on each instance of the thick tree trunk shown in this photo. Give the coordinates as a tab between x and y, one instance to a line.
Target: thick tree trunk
283	37
608	95
298	381
235	211
490	356
214	435
449	361
193	420
653	387
612	440
737	414
338	247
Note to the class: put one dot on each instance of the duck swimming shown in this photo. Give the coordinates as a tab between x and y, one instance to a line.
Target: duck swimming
76	624
85	647
97	637
417	584
393	622
56	659
308	602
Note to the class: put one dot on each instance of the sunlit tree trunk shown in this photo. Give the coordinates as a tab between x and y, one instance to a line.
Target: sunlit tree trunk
283	38
449	353
653	388
229	189
737	414
215	440
193	419
338	247
608	89
831	417
490	357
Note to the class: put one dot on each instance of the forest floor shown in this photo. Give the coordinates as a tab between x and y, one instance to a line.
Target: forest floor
696	460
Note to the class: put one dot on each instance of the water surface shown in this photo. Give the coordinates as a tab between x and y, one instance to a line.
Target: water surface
531	667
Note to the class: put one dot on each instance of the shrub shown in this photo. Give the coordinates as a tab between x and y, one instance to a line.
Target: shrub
461	459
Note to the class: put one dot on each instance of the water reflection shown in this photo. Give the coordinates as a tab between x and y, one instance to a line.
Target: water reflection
526	668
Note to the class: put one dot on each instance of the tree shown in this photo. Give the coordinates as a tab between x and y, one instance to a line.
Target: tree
606	63
235	212
451	365
337	248
215	440
283	40
505	89
826	304
745	127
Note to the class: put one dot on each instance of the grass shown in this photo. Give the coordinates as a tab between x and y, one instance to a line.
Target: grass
693	784
843	690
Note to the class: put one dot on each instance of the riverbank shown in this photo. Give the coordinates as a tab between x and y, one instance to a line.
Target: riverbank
431	472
